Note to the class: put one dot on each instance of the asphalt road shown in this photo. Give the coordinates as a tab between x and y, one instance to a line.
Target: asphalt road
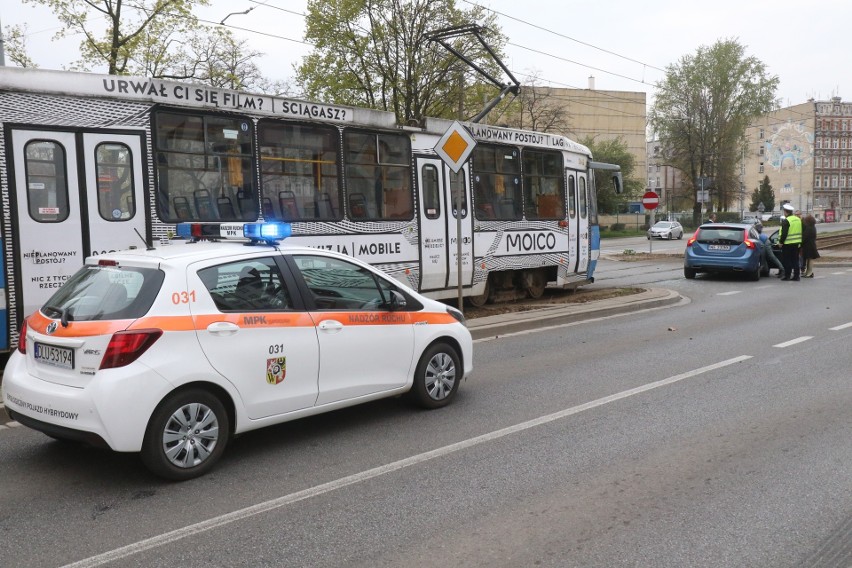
715	433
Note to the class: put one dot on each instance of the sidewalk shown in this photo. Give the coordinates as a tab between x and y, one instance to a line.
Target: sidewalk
501	324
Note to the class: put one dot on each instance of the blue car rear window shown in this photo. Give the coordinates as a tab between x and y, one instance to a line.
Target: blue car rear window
721	234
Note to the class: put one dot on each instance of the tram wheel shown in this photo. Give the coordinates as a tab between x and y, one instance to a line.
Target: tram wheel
536	283
482	299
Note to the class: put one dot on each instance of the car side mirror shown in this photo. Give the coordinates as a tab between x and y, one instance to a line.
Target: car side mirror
397	301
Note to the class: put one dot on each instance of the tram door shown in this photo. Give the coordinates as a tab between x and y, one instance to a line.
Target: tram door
583	232
75	194
439	236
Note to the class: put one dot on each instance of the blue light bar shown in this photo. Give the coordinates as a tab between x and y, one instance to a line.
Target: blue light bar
267	231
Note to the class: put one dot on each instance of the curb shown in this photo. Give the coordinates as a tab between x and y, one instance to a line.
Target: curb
493	326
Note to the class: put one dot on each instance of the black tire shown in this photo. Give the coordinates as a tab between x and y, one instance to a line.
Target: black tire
680	236
482	299
170	454
536	284
754	275
689	273
437	377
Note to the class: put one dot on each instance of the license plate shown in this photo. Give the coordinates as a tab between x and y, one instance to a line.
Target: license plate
719	247
61	357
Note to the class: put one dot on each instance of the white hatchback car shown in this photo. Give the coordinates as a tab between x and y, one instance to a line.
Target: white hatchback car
170	352
666	230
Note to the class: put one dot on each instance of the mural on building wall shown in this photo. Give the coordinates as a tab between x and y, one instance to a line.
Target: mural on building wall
790	147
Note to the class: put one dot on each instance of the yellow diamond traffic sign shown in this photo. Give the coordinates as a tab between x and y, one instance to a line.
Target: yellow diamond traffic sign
455	146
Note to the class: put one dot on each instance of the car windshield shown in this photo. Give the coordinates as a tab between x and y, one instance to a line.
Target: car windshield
721	235
105	292
663	225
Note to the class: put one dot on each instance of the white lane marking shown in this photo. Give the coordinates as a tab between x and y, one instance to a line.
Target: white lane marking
839	273
272	504
731	293
839	327
794	341
9	425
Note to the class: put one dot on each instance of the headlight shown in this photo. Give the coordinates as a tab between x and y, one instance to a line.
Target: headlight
457	314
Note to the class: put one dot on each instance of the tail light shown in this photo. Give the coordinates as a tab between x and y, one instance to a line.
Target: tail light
749	243
693	238
127	346
22	338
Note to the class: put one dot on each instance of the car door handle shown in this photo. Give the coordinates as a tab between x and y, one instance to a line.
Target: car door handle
331	326
223	328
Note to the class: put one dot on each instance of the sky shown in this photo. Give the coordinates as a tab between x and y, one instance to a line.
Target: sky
624	44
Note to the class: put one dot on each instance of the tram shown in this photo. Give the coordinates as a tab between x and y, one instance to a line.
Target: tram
94	163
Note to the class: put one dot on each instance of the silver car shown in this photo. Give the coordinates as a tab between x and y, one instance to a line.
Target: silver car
666	230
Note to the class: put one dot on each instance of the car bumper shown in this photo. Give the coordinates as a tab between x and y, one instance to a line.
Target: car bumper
114	407
721	264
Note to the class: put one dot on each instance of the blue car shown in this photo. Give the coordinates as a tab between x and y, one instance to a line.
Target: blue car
724	247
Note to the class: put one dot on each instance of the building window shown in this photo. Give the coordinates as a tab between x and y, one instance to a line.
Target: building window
760	170
760	151
843	162
817	182
761	134
835	144
834	181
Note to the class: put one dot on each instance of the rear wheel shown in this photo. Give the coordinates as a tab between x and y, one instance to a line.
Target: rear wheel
689	273
436	379
186	435
754	275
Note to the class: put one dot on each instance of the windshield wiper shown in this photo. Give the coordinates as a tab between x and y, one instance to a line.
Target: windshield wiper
63	314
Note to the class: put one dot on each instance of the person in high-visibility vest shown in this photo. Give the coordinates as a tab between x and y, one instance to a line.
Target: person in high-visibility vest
791	241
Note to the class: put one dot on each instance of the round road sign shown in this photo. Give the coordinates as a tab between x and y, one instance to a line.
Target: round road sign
650	200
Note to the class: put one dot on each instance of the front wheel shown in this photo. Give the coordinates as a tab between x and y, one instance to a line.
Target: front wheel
186	435
436	379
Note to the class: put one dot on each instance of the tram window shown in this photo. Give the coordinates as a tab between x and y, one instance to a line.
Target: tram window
430	189
204	168
47	185
299	167
583	198
458	193
378	176
572	197
593	200
496	175
544	194
116	198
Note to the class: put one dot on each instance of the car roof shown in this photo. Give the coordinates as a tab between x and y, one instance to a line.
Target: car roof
726	226
186	252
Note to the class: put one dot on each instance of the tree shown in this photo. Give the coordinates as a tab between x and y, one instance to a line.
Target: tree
614	151
702	109
763	194
127	22
376	53
536	108
15	43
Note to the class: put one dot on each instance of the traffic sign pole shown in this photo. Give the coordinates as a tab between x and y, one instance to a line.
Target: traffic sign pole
650	201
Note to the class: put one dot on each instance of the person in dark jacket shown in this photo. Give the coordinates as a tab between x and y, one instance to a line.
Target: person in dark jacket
809	246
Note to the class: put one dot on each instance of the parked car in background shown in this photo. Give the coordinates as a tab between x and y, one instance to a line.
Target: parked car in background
666	230
724	247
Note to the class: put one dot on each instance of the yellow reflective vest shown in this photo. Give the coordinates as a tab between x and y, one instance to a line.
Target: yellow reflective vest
794	232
